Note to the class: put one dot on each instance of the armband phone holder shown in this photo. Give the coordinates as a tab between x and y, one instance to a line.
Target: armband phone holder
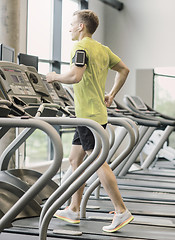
80	58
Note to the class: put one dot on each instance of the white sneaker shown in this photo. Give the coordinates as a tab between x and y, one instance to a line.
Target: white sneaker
68	215
119	221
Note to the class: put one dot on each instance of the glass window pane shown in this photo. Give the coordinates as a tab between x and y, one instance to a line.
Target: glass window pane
169	71
65	68
43	68
36	148
164	97
39	28
68	7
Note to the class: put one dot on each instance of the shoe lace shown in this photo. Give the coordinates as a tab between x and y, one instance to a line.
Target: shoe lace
112	212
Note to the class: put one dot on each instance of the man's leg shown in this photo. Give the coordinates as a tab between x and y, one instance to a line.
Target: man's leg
72	213
122	216
76	157
109	182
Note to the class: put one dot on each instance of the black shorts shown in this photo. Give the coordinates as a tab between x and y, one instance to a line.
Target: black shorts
83	136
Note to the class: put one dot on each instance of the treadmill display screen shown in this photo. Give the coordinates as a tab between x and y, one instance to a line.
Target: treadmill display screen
15	79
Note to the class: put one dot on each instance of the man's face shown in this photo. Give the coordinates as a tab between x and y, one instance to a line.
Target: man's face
74	28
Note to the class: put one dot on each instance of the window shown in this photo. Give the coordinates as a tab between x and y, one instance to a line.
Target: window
48	38
68	8
50	26
164	97
164	85
39	31
36	148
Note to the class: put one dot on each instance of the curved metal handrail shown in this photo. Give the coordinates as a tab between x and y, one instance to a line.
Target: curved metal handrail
42	181
73	176
117	143
15	144
118	160
81	180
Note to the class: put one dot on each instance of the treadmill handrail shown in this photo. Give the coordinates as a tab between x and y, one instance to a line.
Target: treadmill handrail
143	114
160	114
42	181
111	134
120	111
135	117
8	152
124	123
52	105
82	177
80	169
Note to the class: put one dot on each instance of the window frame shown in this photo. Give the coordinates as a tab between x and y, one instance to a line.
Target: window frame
56	62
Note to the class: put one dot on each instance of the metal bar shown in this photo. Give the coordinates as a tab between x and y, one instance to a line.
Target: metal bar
42	181
70	177
3	131
114	3
152	155
115	163
16	143
82	179
57	24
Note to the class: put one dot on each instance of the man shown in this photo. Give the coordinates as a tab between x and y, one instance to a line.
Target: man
90	62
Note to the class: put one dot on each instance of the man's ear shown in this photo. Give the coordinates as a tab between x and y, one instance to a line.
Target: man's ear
81	26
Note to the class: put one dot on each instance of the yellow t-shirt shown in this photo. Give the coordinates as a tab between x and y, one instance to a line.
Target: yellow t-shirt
90	91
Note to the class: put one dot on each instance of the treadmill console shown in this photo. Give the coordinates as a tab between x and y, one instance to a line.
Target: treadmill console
23	86
15	84
62	93
37	83
49	86
57	92
137	102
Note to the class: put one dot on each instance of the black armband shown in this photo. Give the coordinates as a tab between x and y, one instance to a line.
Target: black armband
80	58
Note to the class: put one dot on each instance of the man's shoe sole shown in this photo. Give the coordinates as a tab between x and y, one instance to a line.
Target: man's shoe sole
120	226
67	219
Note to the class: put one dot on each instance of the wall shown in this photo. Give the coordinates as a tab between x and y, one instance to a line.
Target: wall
13	19
23	27
9	23
99	8
142	34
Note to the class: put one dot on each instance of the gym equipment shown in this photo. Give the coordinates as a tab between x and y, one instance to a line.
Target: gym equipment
145	229
42	181
136	105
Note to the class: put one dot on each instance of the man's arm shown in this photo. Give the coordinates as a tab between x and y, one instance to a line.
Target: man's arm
122	73
74	75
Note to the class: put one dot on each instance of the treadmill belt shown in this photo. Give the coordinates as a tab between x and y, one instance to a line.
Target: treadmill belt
143	208
139	175
145	183
93	229
139	194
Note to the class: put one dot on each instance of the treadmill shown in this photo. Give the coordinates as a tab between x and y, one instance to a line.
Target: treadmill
88	229
137	105
143	197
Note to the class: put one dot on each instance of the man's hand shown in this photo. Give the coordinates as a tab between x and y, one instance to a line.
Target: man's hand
108	100
51	77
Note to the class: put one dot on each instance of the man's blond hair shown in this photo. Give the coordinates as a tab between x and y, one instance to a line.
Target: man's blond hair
89	18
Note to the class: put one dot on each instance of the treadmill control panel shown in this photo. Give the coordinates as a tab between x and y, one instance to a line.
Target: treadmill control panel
137	102
37	82
15	81
23	84
25	87
62	93
52	91
57	92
